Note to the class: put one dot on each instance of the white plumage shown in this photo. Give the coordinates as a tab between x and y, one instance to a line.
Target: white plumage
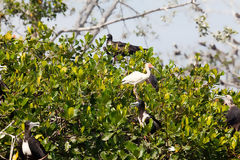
26	149
138	77
142	121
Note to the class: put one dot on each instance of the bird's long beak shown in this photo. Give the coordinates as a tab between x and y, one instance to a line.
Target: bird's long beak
134	104
34	124
220	97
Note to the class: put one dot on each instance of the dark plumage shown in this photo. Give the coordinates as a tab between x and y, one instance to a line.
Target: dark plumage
144	117
29	148
153	81
233	114
120	47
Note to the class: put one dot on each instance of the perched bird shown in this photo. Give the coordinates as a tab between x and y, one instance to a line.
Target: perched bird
120	47
144	117
138	77
233	113
29	148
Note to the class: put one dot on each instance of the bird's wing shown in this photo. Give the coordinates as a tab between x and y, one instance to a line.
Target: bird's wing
156	124
120	44
36	148
133	48
19	148
154	82
133	77
233	115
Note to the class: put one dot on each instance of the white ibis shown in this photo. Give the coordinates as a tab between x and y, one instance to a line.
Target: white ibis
233	114
29	148
144	117
137	77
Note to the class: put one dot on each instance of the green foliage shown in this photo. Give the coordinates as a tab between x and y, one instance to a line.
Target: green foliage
83	108
32	12
203	26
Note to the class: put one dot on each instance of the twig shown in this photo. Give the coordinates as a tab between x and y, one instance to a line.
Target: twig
101	25
12	146
7	127
105	17
3	157
131	8
229	84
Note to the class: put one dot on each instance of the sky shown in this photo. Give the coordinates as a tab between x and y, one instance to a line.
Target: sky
180	27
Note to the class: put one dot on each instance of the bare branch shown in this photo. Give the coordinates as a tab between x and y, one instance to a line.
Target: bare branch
229	84
3	157
106	15
86	11
131	8
7	127
103	23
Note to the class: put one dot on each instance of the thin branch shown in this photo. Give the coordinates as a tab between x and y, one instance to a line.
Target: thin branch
105	17
12	147
131	8
13	138
124	23
101	11
7	127
86	11
101	25
3	157
229	84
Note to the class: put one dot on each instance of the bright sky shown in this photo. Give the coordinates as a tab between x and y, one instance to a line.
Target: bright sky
179	29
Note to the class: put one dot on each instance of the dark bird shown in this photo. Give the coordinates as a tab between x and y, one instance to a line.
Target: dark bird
233	113
237	15
144	117
153	81
29	148
119	47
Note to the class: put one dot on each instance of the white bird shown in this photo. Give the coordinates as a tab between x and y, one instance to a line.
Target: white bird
138	77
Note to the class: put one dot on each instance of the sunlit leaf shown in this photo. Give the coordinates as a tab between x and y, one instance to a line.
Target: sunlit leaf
107	136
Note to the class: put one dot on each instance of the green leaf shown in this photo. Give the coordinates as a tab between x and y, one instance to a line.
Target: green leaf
25	100
71	112
131	146
107	136
209	120
103	155
67	146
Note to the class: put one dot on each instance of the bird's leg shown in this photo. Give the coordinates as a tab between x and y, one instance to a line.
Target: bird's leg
135	92
114	59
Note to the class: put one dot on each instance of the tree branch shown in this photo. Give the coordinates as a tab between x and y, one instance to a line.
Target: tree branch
229	84
101	25
7	127
106	15
86	11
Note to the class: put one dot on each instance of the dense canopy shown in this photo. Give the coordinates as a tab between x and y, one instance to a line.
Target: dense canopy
84	110
70	85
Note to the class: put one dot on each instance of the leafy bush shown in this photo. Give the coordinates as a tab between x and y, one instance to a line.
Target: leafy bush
83	108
